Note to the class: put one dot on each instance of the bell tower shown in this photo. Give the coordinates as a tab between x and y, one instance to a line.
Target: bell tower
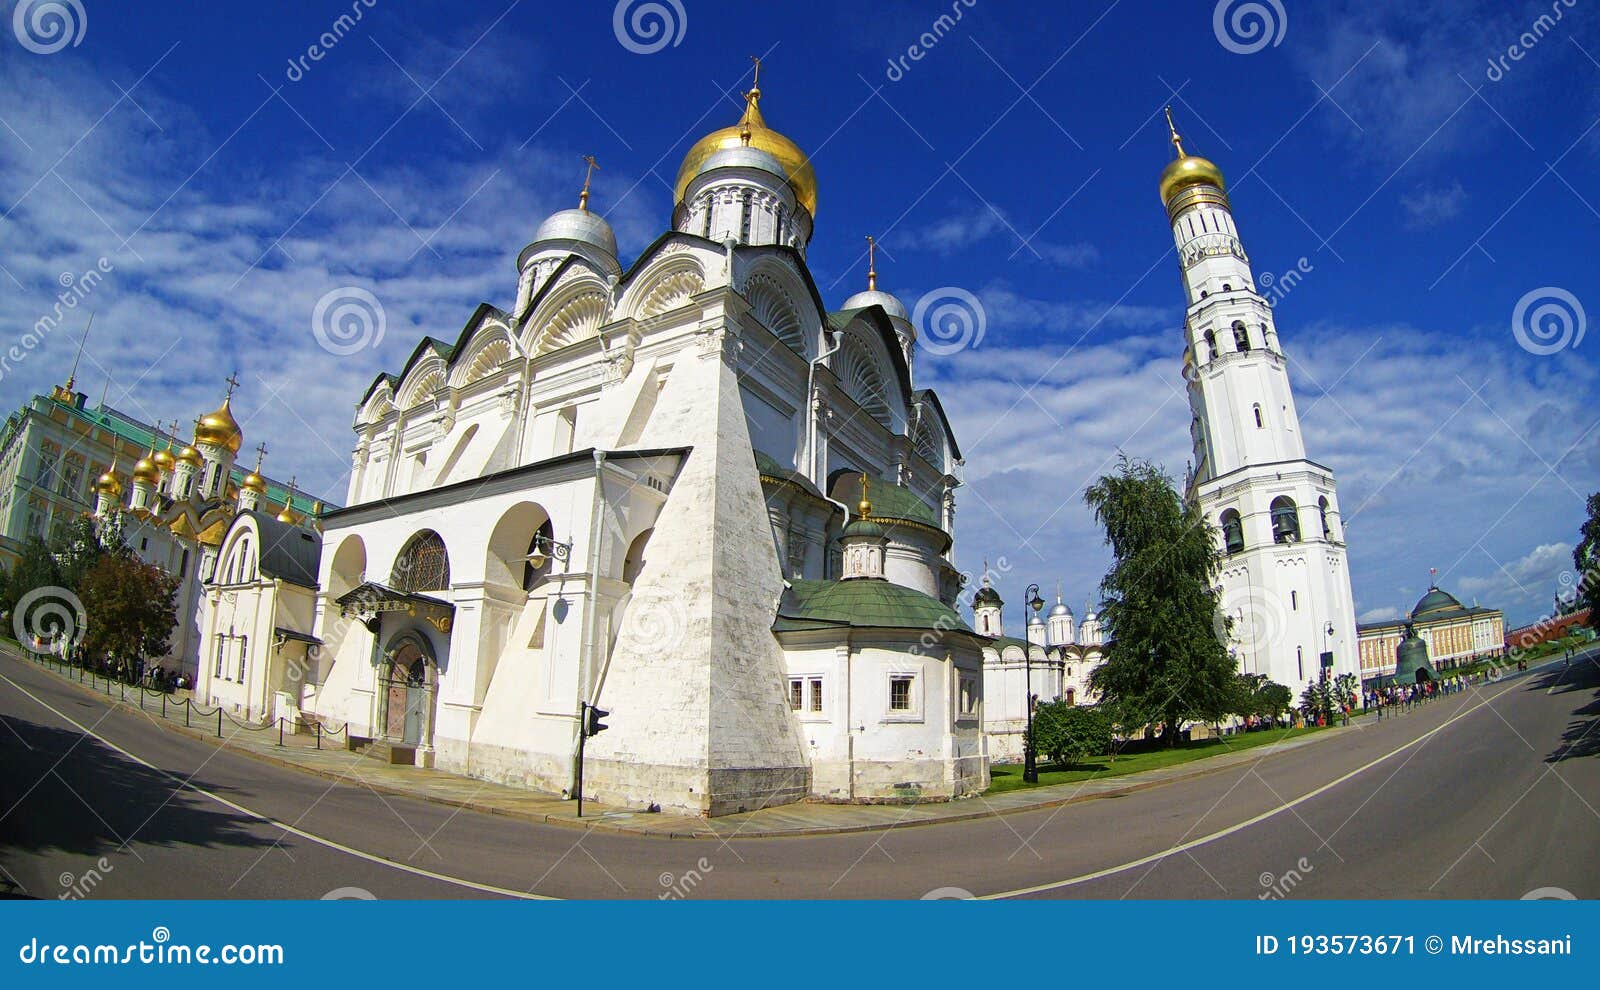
1285	583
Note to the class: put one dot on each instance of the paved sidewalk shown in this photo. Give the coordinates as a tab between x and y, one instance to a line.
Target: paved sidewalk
299	752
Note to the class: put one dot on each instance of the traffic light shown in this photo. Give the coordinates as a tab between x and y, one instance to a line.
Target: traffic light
592	726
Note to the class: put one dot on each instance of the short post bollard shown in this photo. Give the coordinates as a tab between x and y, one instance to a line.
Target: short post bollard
219	721
319	733
186	706
280	731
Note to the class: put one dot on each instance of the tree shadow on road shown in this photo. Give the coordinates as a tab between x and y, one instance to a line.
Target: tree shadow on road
1582	735
66	793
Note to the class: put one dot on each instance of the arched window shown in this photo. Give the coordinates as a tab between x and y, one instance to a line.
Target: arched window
1232	530
422	565
1226	287
1072	696
1257	408
1241	336
1327	527
1211	344
1285	520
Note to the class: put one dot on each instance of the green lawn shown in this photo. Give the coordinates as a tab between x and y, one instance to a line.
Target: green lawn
1008	776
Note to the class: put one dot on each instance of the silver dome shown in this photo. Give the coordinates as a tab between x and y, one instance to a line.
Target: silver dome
581	226
1060	608
873	297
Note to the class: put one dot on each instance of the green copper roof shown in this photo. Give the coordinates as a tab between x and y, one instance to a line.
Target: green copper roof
891	501
865	527
1435	601
864	603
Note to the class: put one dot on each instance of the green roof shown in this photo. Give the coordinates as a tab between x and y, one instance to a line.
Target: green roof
1001	642
864	603
1435	601
891	501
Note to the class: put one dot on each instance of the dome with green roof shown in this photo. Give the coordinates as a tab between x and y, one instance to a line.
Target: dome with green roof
1434	602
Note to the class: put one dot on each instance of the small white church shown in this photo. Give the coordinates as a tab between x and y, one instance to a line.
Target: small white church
687	492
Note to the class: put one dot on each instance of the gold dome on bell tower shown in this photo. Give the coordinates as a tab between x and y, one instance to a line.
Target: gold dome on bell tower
1186	171
752	131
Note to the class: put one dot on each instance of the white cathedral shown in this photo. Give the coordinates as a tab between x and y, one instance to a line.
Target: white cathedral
1285	583
685	492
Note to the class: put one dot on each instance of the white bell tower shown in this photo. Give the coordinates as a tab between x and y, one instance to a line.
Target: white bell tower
1285	583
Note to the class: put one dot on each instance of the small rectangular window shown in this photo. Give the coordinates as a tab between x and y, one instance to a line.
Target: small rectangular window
797	689
900	693
244	653
816	694
969	695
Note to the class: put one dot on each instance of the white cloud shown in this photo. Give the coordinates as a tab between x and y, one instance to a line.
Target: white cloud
223	264
963	230
1431	205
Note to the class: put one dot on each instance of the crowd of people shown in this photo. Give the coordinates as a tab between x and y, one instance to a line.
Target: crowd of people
1404	697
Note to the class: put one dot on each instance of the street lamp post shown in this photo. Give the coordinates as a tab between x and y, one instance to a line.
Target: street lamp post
1030	767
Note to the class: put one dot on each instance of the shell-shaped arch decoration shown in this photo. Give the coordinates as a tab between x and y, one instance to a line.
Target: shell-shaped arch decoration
577	319
671	289
773	308
422	388
861	379
486	360
928	444
379	406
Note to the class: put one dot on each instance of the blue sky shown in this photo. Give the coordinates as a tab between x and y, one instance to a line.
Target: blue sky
1427	191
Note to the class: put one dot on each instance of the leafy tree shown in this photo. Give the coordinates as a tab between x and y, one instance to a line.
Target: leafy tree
1255	695
1586	558
1066	733
1159	604
36	568
131	608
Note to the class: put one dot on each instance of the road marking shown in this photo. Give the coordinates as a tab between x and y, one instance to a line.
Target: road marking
268	819
1231	829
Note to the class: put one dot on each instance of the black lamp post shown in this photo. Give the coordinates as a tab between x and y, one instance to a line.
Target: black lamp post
1030	768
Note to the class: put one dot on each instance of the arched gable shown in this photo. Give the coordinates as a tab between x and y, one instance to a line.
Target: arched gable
773	305
378	403
665	286
872	329
572	314
420	383
860	375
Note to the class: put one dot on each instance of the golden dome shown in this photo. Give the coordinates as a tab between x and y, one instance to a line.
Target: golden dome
189	455
1187	170
146	470
288	515
1190	170
109	483
255	483
219	428
163	459
796	163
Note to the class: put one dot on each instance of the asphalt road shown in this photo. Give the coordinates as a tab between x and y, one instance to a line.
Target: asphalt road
1486	794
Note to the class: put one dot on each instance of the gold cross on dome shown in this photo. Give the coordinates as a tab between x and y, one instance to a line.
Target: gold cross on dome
872	257
261	451
593	167
233	383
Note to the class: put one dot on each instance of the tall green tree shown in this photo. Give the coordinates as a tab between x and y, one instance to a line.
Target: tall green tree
1586	558
131	608
1158	603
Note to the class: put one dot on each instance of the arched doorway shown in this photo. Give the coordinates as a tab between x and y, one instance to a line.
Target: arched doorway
406	684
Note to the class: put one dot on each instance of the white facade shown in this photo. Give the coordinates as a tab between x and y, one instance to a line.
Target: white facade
1054	661
1285	581
675	440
